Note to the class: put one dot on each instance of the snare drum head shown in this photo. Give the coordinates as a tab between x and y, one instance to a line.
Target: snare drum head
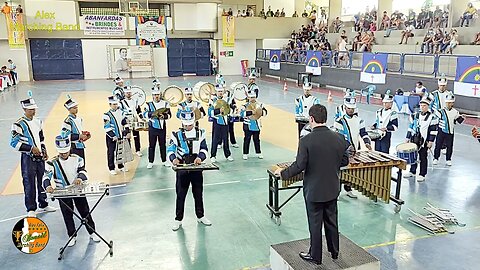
406	147
173	94
139	94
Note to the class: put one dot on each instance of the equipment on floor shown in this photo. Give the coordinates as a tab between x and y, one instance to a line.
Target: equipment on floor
408	152
123	152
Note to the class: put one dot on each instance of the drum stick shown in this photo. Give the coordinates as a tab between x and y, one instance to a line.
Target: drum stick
471	115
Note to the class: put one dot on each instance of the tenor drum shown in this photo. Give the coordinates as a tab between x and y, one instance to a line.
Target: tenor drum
173	94
407	152
139	94
203	90
239	90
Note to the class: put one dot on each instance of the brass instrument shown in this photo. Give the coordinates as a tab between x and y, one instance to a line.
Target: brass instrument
197	114
203	91
157	113
220	103
173	95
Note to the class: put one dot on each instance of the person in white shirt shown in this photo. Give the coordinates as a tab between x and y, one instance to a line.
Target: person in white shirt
69	169
214	62
13	71
448	118
407	33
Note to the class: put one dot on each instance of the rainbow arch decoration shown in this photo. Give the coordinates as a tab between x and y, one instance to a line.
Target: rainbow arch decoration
274	62
467	79
374	67
314	62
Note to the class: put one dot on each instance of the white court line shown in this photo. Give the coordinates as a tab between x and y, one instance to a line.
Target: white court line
134	193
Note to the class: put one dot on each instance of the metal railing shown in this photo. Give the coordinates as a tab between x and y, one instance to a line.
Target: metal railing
403	63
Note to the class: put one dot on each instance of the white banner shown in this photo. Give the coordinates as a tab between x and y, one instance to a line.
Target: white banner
466	89
104	25
140	58
314	70
274	65
373	78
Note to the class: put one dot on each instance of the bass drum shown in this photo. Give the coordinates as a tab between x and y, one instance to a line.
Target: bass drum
139	94
173	94
203	90
239	90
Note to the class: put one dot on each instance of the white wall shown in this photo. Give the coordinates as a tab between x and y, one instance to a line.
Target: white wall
287	5
3	27
184	16
206	17
95	59
274	43
160	62
65	12
18	56
244	49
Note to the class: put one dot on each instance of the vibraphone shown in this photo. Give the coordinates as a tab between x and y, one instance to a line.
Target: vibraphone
369	172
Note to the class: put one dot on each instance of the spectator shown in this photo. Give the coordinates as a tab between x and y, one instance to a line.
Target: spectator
407	33
466	17
262	14
313	16
277	13
342	52
436	42
446	41
366	42
385	24
224	13
250	12
453	41
476	41
214	63
239	14
304	14
327	45
411	19
444	19
373	27
270	12
336	25
427	40
13	71
357	40
19	9
419	90
295	15
282	14
6	9
230	12
244	13
437	13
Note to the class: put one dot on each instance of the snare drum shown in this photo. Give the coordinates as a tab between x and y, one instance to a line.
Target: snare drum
408	152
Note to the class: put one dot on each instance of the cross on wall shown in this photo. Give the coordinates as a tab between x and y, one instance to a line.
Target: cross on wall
475	89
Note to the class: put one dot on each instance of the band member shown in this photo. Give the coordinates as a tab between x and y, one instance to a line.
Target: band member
116	128
448	118
118	91
439	95
387	122
131	107
157	112
232	117
220	116
476	133
352	127
27	138
188	146
252	86
321	183
422	131
340	110
251	126
190	103
73	125
303	104
67	169
13	71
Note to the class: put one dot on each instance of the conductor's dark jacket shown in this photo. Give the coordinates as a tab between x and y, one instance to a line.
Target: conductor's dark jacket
320	155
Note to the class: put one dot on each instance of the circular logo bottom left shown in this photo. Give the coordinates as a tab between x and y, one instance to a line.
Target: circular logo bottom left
30	235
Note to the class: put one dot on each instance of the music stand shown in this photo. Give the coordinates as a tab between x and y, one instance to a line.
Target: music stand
71	195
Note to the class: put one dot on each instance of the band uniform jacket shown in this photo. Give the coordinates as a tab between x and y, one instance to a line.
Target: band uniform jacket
320	155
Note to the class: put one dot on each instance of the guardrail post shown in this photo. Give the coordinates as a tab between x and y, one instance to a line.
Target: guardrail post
436	65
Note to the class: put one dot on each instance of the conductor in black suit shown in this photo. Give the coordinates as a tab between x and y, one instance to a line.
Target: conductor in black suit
320	155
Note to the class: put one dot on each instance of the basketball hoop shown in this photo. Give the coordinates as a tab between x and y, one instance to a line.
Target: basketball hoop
133	7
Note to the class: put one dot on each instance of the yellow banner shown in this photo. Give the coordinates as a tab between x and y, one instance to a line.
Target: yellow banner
16	30
228	26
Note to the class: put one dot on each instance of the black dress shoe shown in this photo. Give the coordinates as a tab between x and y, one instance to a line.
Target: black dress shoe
334	256
307	257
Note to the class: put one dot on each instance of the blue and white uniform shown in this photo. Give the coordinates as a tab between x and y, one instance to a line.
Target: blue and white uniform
61	172
186	146
251	127
388	119
157	127
133	111
116	128
27	134
220	124
303	104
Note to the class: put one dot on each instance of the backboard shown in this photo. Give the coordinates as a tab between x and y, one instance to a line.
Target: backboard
133	7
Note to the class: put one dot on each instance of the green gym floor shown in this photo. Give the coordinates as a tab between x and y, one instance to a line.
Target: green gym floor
138	217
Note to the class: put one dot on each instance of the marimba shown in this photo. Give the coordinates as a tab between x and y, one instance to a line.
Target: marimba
193	167
369	172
